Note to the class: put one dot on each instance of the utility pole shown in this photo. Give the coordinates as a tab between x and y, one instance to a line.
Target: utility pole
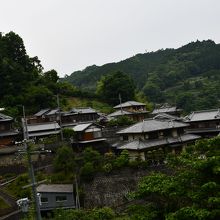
120	102
30	166
77	194
60	121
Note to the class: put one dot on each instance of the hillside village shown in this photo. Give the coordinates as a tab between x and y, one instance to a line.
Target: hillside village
150	137
123	150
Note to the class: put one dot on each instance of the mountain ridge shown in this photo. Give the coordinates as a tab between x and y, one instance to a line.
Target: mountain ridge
167	75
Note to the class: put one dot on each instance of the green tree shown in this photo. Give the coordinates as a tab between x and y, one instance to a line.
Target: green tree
92	156
64	160
121	121
51	76
104	213
68	133
87	171
153	92
122	160
110	86
192	192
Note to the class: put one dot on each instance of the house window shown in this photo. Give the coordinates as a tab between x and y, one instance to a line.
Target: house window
153	135
167	133
125	137
2	127
44	199
60	198
97	134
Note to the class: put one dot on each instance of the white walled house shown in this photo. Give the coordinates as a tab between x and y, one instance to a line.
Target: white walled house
154	135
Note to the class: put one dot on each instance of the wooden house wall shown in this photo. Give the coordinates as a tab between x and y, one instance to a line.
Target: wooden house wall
6	141
5	126
88	136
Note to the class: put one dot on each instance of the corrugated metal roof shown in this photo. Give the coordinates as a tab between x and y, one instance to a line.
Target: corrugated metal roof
55	188
149	125
81	127
42	112
204	115
144	144
43	126
92	141
52	112
129	103
43	133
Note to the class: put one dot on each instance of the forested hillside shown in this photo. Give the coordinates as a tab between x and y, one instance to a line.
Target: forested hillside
188	76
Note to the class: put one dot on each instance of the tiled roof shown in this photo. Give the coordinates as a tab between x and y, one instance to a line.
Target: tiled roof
55	188
166	116
83	110
204	115
129	103
119	113
165	110
149	125
144	144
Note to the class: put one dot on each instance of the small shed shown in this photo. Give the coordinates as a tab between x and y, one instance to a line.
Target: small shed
88	132
56	196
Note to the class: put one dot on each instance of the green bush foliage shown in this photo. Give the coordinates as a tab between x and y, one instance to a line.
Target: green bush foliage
120	121
64	160
192	192
110	86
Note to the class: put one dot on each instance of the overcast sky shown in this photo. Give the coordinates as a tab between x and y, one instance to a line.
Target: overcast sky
68	35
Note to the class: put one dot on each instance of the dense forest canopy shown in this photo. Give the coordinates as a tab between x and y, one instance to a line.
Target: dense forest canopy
112	86
188	76
22	80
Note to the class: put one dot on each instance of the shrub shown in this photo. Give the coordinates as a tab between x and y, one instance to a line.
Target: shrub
121	121
87	171
107	168
122	160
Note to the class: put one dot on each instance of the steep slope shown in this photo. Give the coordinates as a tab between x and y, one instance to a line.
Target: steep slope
188	76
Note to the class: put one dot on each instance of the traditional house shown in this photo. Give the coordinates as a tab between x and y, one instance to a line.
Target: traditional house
153	137
205	123
55	196
39	130
44	115
79	115
132	109
88	133
171	110
7	133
